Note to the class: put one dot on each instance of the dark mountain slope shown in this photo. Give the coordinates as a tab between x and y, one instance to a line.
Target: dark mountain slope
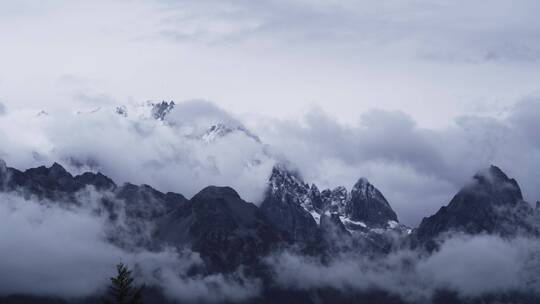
368	205
223	228
492	203
285	203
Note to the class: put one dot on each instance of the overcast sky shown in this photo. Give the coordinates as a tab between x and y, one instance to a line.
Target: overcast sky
435	60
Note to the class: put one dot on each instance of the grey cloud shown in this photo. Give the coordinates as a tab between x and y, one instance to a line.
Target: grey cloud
216	288
72	80
514	52
50	268
64	253
417	169
510	52
433	31
341	54
200	114
463	264
3	109
95	99
472	261
167	155
38	260
233	21
524	117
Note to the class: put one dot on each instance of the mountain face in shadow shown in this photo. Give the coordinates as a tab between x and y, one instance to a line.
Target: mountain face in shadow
223	228
491	203
229	233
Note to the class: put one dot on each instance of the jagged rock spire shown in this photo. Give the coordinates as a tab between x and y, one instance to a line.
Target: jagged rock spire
293	205
160	110
286	205
367	204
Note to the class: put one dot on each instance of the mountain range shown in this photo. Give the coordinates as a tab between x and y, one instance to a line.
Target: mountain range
229	232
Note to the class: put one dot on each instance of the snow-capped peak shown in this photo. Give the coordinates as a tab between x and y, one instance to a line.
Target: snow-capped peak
364	204
146	110
365	189
221	129
216	131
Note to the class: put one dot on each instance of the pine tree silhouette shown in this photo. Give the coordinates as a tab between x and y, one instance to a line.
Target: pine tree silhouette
122	289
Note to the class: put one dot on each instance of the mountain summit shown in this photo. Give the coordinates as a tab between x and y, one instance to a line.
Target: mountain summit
296	208
491	203
287	204
368	205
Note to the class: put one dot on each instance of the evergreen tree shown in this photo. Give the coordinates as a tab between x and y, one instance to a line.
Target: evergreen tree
122	289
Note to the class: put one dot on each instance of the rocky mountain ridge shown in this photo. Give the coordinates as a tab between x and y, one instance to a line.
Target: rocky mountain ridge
228	232
492	203
364	208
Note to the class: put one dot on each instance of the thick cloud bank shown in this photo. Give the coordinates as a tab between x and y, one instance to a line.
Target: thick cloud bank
48	250
57	251
471	266
130	145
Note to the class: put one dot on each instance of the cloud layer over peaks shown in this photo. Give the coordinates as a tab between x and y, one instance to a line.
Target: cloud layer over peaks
199	144
417	169
170	155
49	250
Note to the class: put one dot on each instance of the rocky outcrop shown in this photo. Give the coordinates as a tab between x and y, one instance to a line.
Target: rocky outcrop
160	110
53	183
286	206
331	226
363	209
368	205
